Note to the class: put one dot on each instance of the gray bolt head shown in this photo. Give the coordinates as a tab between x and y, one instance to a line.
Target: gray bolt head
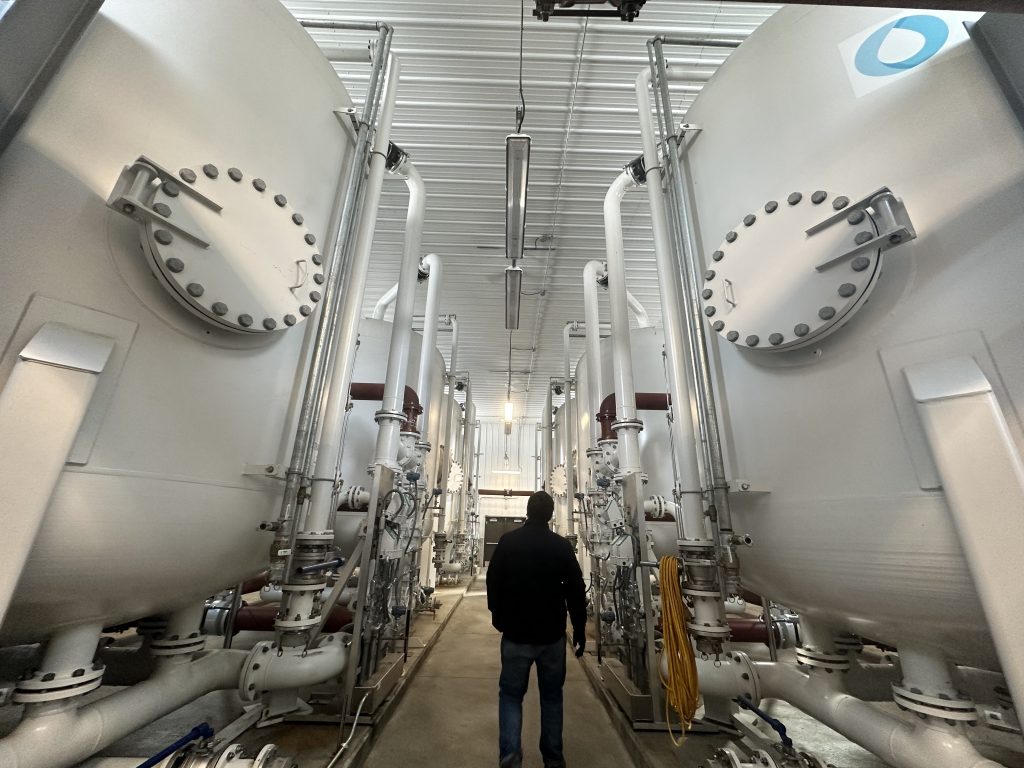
749	219
163	209
863	237
211	171
856	216
718	325
795	198
827	313
771	206
707	293
163	237
245	320
194	289
732	335
259	185
846	290
802	329
860	263
297	218
318	278
281	200
709	275
305	310
775	339
234	174
289	320
170	188
718	255
314	296
317	259
730	237
310	238
188	175
269	323
840	202
174	265
709	311
819	197
219	308
753	340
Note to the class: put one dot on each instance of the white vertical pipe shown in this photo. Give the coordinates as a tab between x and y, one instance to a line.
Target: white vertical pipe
384	302
639	311
391	416
627	426
684	441
425	381
545	441
592	316
319	515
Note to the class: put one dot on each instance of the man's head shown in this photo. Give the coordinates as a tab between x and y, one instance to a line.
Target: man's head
540	508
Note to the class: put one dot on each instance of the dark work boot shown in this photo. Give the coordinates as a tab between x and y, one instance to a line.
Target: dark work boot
554	763
511	761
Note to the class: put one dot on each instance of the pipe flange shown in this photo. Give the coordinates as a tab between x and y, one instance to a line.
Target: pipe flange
175	645
296	624
382	415
43	686
713	631
695	544
704	594
268	758
314	537
636	424
747	681
848	643
724	758
960	709
311	587
811	657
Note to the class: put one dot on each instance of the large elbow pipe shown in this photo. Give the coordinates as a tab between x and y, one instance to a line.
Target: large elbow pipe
645	401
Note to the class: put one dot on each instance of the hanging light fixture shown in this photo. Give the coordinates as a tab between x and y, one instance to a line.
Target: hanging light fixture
513	289
517	171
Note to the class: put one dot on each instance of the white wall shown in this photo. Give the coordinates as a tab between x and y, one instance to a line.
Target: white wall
522	455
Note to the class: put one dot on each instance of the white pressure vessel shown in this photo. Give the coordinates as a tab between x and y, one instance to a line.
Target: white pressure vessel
849	521
157	505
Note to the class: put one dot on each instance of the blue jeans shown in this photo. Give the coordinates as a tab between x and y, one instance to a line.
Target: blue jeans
516	660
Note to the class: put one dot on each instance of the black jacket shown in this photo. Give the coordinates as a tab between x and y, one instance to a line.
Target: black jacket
532	578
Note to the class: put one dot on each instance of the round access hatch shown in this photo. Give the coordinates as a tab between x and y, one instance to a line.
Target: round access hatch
455	478
261	270
762	288
559	481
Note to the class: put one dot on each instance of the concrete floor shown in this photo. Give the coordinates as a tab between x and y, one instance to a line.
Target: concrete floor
449	716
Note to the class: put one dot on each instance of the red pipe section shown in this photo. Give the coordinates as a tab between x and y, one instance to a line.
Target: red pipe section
750	630
261	617
256	583
506	493
645	401
410	406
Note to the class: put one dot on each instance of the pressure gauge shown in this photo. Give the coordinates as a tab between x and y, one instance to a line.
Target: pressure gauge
780	281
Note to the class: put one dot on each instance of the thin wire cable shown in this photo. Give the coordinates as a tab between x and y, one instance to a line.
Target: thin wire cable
682	688
521	112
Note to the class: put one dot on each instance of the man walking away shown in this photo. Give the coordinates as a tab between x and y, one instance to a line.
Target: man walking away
533	577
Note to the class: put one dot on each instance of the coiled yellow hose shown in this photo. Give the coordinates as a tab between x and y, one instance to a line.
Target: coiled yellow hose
682	690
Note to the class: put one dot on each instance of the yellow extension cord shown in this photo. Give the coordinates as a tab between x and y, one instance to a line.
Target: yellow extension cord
682	690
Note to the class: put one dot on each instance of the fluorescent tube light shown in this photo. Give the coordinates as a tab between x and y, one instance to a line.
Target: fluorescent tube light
513	288
517	170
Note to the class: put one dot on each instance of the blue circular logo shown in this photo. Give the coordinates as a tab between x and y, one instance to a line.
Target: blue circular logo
932	29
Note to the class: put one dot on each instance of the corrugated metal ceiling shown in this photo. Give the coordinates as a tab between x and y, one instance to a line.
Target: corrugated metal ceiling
456	104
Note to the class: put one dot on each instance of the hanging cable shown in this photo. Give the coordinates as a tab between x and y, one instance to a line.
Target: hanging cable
521	109
682	689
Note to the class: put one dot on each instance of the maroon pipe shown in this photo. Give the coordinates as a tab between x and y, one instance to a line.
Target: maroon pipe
256	583
261	617
494	492
410	406
750	630
645	401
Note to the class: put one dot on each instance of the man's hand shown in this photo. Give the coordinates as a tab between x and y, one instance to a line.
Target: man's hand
579	643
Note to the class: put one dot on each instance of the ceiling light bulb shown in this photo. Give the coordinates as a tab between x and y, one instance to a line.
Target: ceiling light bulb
508	410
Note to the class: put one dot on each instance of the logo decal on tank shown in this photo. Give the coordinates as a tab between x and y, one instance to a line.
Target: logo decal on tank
900	46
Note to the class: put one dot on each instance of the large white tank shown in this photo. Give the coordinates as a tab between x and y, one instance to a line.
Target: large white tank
153	509
854	528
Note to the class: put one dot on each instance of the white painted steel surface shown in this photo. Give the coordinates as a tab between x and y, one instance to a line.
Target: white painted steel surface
854	530
155	511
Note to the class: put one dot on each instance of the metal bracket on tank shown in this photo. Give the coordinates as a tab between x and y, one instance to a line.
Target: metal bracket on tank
349	121
889	216
133	183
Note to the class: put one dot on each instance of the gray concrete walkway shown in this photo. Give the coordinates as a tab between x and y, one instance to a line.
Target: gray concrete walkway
449	715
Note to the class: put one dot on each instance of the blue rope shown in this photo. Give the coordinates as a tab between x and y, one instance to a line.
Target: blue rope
776	726
201	731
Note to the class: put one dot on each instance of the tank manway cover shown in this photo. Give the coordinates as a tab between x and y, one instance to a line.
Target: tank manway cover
261	271
762	286
559	481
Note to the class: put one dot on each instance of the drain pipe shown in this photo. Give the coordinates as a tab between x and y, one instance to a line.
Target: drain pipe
711	629
390	417
384	302
310	535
